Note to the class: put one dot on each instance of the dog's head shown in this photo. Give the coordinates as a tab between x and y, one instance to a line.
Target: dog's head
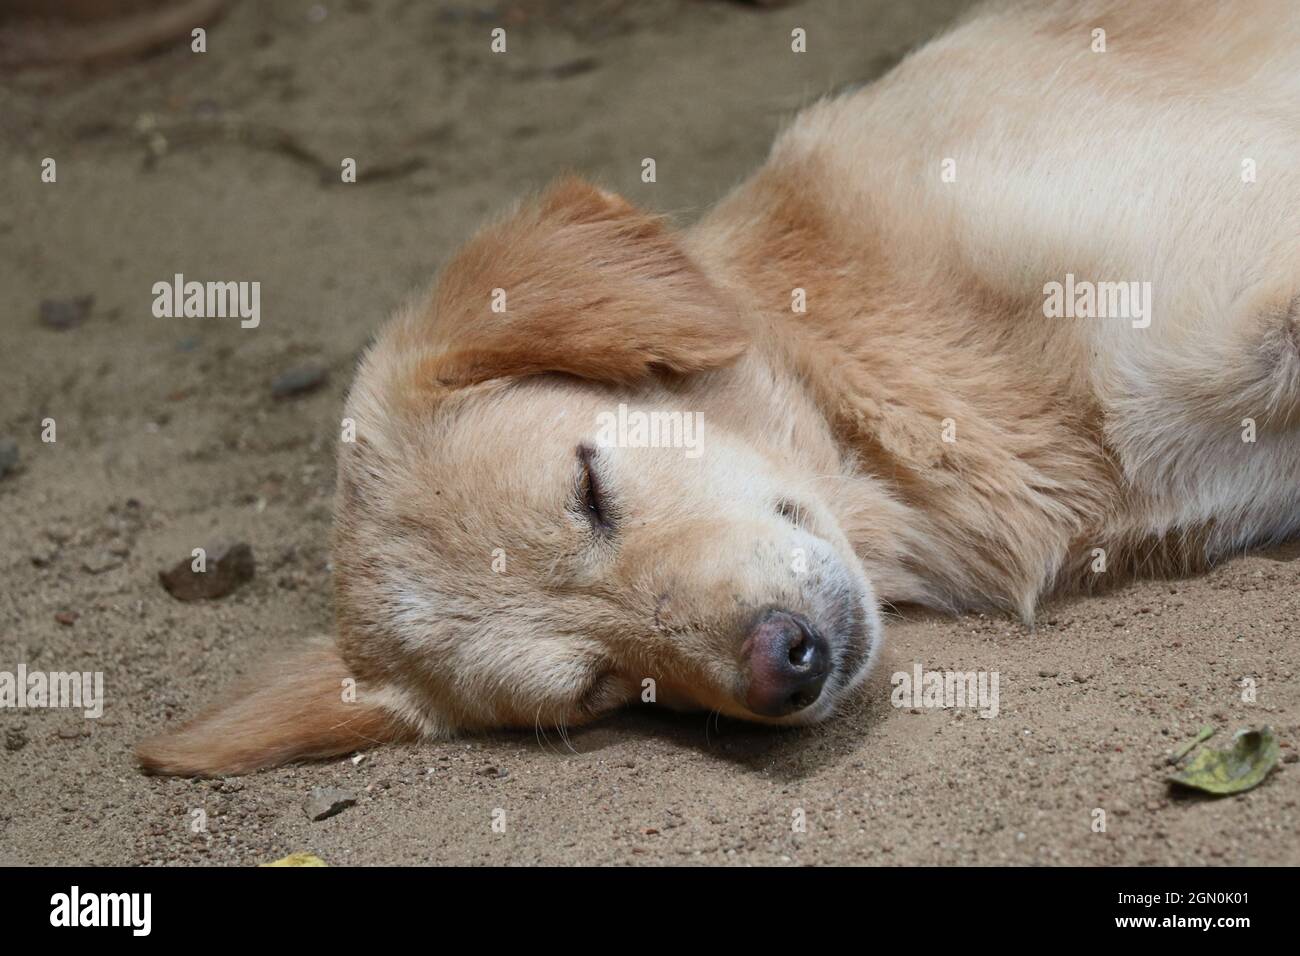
573	486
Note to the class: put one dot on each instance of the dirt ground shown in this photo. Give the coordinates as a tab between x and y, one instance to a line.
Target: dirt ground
224	165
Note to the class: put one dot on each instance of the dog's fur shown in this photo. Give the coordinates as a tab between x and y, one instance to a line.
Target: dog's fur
824	430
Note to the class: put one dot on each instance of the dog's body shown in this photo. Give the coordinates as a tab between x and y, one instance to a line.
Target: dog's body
889	413
1127	165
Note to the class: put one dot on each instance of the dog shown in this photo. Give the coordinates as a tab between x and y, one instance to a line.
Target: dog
1020	318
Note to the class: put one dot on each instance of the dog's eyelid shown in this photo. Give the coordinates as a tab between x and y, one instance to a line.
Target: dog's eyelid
591	499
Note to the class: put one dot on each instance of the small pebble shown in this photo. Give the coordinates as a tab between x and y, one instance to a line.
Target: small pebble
64	314
226	567
326	802
100	562
299	381
8	455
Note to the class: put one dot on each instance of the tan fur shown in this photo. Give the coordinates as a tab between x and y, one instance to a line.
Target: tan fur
595	288
296	710
472	589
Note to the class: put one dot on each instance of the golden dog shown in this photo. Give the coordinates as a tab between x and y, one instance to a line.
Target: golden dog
1022	316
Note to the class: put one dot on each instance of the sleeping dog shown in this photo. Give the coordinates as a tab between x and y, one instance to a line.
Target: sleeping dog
1021	317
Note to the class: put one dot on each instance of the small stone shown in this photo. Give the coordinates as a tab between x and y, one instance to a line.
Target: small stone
325	802
227	567
575	67
8	455
67	618
100	562
64	314
59	533
15	739
299	381
1048	673
119	547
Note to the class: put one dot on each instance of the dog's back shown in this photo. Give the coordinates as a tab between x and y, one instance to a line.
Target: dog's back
1128	147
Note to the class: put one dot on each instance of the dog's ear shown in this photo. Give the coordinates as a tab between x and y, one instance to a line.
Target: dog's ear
305	706
582	282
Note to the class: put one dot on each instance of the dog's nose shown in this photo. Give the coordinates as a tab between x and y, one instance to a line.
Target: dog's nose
788	663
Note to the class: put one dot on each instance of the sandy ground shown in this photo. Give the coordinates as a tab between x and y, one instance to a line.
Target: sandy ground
168	436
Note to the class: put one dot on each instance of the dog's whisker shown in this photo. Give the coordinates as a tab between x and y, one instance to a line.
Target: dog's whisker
563	730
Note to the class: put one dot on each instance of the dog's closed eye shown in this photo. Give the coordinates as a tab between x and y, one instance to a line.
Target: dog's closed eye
591	499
